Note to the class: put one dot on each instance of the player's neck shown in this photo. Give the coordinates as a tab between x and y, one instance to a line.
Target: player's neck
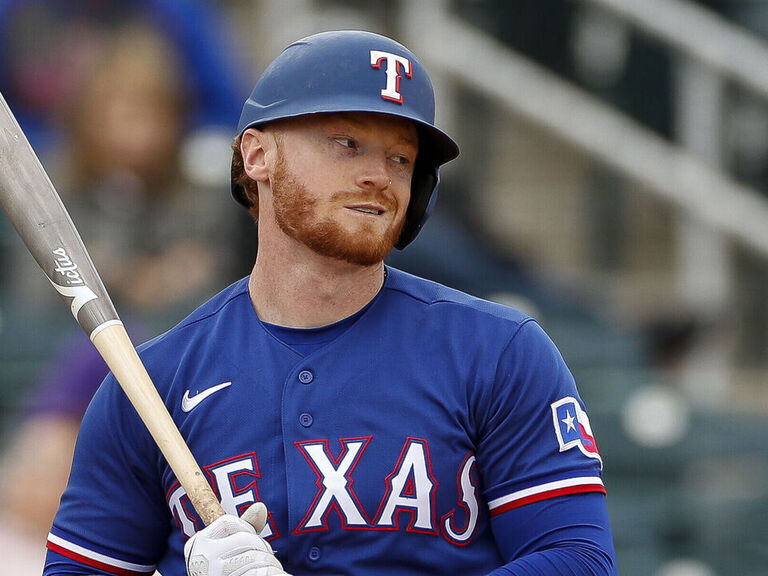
310	292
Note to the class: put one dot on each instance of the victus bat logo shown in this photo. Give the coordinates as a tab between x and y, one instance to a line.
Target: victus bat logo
74	287
67	268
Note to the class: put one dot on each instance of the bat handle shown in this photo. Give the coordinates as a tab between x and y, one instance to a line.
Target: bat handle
115	346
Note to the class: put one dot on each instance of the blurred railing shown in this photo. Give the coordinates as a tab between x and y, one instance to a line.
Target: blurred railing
671	171
724	47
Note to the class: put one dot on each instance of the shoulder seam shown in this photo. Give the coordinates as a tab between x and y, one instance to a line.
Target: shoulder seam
430	302
189	322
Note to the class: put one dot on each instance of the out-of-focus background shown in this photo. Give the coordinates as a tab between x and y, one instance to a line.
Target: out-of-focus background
613	182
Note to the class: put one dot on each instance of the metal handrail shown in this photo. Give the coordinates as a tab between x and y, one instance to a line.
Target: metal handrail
701	34
668	170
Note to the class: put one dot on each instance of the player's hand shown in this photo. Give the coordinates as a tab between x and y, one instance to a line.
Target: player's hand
232	546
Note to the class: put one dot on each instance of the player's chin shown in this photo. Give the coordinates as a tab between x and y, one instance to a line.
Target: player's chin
366	250
362	246
358	242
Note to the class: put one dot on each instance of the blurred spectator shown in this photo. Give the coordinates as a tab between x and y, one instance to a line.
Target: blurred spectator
130	161
119	171
21	557
35	465
48	47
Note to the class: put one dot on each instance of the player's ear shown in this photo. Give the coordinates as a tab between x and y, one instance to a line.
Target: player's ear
254	157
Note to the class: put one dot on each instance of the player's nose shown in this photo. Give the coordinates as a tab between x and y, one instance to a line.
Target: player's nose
373	174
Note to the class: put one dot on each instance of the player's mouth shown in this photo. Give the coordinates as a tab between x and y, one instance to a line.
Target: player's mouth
367	209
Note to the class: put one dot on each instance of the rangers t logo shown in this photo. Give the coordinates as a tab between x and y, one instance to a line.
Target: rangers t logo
572	428
396	66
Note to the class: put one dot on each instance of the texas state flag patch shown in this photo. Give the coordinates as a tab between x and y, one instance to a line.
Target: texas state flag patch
572	428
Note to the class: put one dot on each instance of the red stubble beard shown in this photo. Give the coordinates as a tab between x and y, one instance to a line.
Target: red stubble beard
295	210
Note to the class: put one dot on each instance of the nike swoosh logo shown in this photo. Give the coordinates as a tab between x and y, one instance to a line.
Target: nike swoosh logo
190	402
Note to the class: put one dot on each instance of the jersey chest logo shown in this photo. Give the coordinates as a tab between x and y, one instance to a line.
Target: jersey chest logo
407	494
190	402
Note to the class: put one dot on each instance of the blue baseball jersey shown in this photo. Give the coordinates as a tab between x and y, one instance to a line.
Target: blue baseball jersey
386	443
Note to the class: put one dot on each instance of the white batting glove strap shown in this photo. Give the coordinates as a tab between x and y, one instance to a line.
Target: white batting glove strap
230	546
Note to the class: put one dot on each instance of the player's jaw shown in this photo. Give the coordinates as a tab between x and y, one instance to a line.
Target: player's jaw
359	227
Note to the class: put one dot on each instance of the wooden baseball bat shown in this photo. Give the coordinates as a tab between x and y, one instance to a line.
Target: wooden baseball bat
35	209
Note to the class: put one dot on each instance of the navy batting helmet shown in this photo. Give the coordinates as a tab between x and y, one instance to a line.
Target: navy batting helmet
356	71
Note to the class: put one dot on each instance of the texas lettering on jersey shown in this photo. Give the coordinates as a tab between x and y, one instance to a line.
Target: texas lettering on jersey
407	501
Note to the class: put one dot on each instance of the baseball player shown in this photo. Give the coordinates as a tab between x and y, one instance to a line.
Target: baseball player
390	425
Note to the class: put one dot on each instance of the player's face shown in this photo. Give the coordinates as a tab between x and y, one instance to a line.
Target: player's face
342	182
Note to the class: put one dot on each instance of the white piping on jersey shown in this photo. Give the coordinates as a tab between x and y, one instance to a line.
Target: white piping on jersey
102	558
542	488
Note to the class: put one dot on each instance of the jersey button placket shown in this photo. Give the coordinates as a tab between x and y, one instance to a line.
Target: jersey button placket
306	377
299	409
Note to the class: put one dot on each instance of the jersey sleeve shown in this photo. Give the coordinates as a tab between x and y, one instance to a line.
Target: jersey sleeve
569	535
113	516
534	438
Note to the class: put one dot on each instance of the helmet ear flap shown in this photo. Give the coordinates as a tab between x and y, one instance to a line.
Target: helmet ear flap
423	197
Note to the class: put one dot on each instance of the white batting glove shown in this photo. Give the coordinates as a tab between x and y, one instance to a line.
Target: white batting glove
231	546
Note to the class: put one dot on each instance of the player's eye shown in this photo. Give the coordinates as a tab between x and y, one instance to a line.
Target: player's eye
346	142
399	159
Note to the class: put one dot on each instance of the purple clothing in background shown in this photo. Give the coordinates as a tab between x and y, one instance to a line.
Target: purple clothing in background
67	384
